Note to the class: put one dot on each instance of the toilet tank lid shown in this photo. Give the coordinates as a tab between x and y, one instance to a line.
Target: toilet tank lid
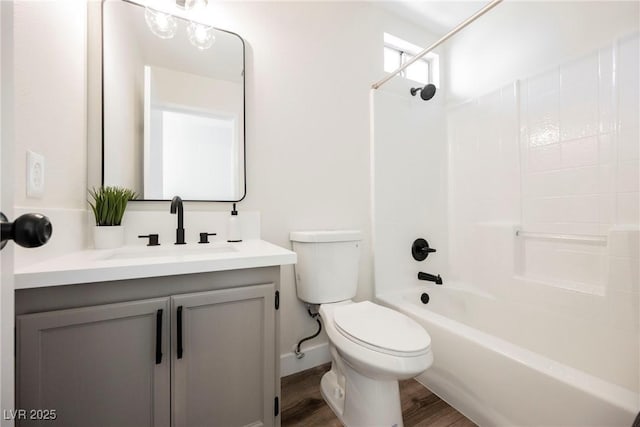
326	236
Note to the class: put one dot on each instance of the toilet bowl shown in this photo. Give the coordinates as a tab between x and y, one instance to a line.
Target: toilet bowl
372	347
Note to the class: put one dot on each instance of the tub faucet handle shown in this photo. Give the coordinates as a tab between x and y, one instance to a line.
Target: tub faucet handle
420	249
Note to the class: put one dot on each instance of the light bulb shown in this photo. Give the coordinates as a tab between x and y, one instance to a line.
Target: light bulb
185	4
191	4
162	24
200	35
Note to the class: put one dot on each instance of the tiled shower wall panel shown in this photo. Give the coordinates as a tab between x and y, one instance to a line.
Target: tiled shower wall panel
579	136
580	173
484	186
554	153
627	181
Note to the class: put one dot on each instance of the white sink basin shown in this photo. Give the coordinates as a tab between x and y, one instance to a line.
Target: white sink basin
168	251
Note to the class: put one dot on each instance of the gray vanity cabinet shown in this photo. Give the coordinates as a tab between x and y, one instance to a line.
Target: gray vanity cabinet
100	366
95	366
225	373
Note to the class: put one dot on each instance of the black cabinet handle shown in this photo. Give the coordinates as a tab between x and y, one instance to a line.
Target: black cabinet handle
179	332
159	336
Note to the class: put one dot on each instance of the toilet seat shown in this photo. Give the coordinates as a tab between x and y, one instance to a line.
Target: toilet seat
381	329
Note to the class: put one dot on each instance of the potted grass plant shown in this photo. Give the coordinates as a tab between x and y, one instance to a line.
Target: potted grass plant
108	205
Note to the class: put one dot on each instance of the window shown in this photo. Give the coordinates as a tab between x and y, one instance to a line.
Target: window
398	52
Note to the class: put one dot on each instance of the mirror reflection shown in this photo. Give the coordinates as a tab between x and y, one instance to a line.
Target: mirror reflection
173	109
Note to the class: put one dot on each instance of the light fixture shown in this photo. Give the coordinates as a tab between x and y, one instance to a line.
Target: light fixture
191	4
200	35
164	25
184	4
161	24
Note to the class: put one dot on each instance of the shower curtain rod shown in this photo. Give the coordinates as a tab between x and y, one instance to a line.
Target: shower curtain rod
444	38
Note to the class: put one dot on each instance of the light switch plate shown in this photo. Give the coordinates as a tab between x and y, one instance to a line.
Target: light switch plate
35	175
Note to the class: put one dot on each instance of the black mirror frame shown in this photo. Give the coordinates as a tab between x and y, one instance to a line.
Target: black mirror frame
244	110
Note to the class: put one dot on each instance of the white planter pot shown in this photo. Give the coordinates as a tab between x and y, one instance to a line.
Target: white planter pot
108	237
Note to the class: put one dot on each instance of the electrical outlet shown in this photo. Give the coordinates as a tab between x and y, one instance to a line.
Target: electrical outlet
35	175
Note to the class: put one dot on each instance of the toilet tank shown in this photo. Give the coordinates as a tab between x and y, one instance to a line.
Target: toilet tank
327	267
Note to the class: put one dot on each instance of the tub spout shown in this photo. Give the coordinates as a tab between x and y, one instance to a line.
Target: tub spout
430	277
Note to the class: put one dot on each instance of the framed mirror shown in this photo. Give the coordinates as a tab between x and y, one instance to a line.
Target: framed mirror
173	106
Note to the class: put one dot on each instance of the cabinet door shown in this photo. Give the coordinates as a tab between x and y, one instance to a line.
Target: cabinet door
224	368
96	366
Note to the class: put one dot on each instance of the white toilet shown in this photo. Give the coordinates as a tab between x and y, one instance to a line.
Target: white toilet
372	347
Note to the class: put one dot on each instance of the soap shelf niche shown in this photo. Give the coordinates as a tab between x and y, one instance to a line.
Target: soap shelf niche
578	262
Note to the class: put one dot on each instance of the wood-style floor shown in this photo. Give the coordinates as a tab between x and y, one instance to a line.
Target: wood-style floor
302	404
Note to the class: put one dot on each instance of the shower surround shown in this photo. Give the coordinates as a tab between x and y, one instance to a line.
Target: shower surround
530	195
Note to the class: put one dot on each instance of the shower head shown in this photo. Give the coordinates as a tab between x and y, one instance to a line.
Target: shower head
426	93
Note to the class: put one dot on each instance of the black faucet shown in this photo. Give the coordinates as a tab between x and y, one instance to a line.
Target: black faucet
176	206
430	277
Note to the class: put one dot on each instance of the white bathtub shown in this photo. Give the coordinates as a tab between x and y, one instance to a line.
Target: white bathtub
494	381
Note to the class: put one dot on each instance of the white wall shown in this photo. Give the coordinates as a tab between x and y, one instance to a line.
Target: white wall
7	343
123	107
519	38
410	185
51	97
176	88
50	117
309	69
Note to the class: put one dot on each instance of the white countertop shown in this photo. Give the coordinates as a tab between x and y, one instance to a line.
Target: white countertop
135	262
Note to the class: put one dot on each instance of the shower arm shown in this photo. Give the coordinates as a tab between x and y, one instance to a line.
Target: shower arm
443	39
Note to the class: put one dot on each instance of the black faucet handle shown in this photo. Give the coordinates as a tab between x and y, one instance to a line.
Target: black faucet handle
420	249
153	239
204	237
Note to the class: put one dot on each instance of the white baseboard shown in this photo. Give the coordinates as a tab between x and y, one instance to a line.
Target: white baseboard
313	356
